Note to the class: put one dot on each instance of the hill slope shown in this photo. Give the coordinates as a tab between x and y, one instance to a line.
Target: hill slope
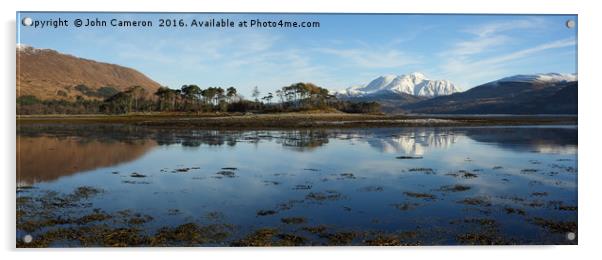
522	94
48	74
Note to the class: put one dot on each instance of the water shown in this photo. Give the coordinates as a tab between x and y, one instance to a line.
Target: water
514	184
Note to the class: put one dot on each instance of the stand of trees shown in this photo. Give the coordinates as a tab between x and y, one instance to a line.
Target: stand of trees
192	98
31	105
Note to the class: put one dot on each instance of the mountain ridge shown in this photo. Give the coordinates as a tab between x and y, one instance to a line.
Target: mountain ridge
539	77
549	93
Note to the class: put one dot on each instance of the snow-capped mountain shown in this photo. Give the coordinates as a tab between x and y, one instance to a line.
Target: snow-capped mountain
539	78
416	84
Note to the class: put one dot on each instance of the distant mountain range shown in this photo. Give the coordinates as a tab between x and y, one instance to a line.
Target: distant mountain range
48	74
550	93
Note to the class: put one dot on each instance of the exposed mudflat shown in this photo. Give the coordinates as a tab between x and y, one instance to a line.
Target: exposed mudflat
298	120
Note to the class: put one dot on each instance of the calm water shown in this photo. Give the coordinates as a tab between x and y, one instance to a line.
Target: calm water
523	179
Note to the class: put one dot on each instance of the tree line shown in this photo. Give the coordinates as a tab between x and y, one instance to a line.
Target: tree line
193	99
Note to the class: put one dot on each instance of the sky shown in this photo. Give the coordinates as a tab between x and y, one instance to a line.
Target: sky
345	50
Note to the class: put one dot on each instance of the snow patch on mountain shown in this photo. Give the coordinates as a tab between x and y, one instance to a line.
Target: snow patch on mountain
540	78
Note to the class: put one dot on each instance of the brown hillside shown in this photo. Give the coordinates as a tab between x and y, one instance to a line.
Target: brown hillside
48	74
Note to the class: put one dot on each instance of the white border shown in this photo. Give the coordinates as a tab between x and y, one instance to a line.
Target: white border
590	95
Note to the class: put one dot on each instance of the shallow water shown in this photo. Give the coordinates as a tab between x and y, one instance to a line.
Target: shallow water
510	180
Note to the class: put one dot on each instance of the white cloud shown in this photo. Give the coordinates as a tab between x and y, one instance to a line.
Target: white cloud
488	36
476	46
526	52
485	55
493	28
373	57
471	69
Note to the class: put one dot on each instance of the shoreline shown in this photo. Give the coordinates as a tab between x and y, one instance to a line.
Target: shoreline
298	120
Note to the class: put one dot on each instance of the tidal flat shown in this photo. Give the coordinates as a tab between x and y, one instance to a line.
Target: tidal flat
114	184
296	120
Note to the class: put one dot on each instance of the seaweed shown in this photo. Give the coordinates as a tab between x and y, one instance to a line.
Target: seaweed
420	195
408	157
323	196
266	212
293	220
555	226
422	170
405	206
137	175
476	201
229	174
454	188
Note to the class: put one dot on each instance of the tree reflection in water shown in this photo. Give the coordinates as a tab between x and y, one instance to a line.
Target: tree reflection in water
47	152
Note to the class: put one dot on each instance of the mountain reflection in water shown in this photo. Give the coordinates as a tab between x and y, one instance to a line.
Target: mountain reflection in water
415	141
446	185
48	152
45	158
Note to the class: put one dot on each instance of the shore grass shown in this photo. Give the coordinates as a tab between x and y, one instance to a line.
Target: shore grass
318	119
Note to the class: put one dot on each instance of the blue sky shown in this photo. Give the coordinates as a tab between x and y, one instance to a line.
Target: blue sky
345	50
